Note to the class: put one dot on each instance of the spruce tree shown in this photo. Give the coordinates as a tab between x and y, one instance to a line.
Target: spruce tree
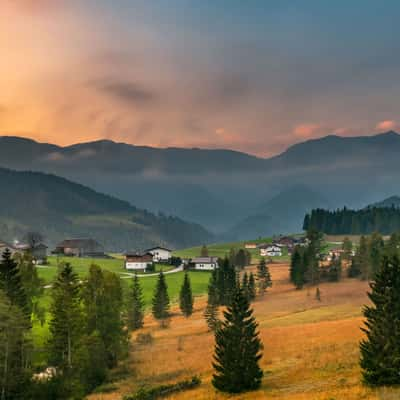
160	306
297	268
66	323
263	276
11	283
211	311
252	287
245	285
225	281
186	297
380	351
135	306
204	251
237	349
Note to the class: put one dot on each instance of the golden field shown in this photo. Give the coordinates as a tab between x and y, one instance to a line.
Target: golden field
310	347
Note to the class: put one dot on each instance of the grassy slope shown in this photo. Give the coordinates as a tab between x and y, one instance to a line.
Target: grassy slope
311	347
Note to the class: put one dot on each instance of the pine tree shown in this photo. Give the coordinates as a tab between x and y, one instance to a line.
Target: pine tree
263	276
225	281
297	268
245	285
380	351
66	323
135	306
11	283
186	297
160	307
252	287
237	349
204	251
211	311
335	270
347	247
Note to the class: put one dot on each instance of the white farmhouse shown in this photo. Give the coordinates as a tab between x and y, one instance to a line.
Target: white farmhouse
205	263
160	253
138	262
270	251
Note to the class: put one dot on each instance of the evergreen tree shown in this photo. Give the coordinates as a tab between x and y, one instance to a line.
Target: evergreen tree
66	323
186	297
160	306
376	252
237	349
15	350
347	247
245	285
11	283
380	351
135	306
263	276
241	259
251	287
225	281
204	251
297	268
335	270
211	311
362	258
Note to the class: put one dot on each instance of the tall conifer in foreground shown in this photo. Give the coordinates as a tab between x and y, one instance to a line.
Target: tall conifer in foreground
186	297
251	287
211	311
66	318
237	349
160	306
380	351
135	306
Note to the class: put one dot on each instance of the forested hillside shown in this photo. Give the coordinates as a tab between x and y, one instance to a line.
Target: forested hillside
59	208
385	220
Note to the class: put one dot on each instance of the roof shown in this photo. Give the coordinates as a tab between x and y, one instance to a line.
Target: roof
24	246
134	253
205	260
7	245
76	243
158	247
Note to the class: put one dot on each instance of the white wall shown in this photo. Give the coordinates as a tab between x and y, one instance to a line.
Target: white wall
205	266
160	254
136	265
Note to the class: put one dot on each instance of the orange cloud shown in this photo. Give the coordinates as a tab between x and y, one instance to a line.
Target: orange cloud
305	131
386	125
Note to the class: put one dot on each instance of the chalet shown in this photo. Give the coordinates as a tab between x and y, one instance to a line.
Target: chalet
270	251
205	263
80	248
160	254
138	262
250	246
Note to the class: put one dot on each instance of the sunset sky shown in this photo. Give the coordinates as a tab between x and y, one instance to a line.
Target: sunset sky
254	75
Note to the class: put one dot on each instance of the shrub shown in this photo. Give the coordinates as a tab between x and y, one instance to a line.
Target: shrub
144	338
164	390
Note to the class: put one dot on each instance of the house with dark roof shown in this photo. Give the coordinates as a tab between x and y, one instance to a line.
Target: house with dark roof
5	245
205	263
83	247
38	252
137	261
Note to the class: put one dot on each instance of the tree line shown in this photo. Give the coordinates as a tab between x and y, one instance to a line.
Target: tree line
354	222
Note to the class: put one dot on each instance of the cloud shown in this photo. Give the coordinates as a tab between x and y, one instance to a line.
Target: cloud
386	125
305	131
128	92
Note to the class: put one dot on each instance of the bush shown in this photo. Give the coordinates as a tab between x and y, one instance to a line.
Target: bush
144	338
151	268
164	390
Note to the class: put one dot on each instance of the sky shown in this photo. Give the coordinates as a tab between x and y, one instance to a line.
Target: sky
255	76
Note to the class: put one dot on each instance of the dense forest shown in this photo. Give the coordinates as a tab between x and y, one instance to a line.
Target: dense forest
354	222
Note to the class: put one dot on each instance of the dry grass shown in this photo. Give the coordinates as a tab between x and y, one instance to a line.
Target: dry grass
311	347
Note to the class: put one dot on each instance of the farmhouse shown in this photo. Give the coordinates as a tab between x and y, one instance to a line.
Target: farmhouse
160	254
80	248
270	251
138	262
205	263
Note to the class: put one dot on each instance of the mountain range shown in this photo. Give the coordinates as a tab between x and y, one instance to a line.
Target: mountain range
59	208
233	194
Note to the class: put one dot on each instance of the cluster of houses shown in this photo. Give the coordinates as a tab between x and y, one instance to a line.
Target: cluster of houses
275	249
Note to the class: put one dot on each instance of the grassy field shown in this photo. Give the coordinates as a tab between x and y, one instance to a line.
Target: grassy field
311	348
223	249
